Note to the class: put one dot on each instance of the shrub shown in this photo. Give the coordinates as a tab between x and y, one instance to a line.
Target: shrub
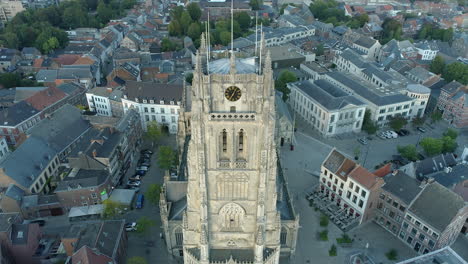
392	254
323	235
323	220
344	239
332	251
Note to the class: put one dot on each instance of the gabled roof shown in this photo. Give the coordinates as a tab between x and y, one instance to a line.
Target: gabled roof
14	192
437	205
82	179
28	161
45	98
86	255
365	42
17	113
153	91
402	186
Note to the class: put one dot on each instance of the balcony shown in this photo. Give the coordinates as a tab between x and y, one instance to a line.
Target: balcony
232	116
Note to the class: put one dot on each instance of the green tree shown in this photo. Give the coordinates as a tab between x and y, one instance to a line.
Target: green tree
8	80
153	192
225	37
168	45
437	65
176	13
104	12
409	152
398	122
418	121
449	144
174	28
111	209
367	124
194	30
432	146
144	225
243	19
194	11
11	40
456	71
137	260
255	4
332	252
436	116
452	133
319	50
189	78
166	157
284	78
185	21
392	29
392	254
50	45
153	131
128	4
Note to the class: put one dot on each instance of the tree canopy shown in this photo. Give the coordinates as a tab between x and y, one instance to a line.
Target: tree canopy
398	122
137	260
153	131
329	12
111	208
430	32
44	28
144	225
167	157
367	124
194	11
284	78
153	192
437	65
456	71
432	146
392	29
409	152
452	133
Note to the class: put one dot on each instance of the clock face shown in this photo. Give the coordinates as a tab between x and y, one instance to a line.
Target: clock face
232	93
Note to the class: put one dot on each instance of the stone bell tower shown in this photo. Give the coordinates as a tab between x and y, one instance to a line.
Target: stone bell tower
231	212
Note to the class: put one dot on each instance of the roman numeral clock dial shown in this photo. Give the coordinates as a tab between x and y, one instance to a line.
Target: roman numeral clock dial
233	93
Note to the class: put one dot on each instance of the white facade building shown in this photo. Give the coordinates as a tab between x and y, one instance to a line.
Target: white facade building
326	108
155	102
98	100
4	150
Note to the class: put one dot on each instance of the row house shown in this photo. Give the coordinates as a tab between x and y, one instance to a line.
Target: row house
16	120
326	108
35	175
354	189
105	101
369	46
381	105
82	187
98	242
279	36
425	215
453	101
427	51
154	102
422	76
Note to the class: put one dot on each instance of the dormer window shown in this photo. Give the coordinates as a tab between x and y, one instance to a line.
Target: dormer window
161	102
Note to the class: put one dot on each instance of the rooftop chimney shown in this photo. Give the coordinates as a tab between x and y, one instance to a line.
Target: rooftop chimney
94	153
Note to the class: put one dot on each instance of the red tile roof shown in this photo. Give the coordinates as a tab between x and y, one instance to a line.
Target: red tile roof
385	170
364	177
85	60
45	98
86	255
67	59
38	62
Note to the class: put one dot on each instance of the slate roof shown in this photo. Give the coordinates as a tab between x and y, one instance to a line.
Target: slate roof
223	66
17	113
62	128
87	255
70	73
177	209
437	212
451	87
23	93
456	174
434	164
418	88
82	179
366	92
421	73
6	219
19	234
46	75
70	88
326	94
365	42
282	108
132	69
14	192
352	56
153	91
402	186
24	164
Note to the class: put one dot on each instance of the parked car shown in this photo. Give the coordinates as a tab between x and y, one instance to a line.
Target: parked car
140	172
134	183
131	226
144	164
143	168
362	141
382	135
146	156
144	160
146	151
135	177
422	129
39	221
139	201
405	132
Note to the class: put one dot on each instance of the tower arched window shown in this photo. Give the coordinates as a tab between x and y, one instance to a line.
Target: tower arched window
283	236
241	140
224	139
179	236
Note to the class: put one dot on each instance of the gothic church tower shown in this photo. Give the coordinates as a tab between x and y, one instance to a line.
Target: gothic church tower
231	212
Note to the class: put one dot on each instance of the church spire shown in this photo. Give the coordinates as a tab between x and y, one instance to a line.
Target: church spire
233	63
